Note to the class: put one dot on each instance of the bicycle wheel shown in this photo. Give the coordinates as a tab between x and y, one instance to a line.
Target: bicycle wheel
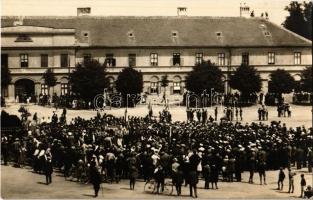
149	187
168	187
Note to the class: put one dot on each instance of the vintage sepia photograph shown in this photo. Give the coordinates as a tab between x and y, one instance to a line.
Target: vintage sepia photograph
156	99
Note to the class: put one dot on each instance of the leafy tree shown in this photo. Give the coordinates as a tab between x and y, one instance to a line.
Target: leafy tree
5	77
129	82
164	83
50	79
247	80
205	77
89	79
308	18
281	82
306	79
299	19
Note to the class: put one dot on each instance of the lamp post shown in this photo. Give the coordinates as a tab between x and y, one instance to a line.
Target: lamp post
187	97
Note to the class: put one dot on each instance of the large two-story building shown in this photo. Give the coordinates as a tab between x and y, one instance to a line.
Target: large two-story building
156	46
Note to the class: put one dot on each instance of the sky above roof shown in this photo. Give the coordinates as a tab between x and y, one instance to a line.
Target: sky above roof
275	8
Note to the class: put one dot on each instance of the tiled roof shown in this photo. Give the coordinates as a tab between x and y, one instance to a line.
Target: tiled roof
160	31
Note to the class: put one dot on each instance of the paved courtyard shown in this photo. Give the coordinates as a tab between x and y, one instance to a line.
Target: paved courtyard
301	115
22	183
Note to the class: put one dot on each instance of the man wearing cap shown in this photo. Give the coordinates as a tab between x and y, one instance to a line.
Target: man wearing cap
194	161
177	176
5	150
16	151
291	175
95	178
48	168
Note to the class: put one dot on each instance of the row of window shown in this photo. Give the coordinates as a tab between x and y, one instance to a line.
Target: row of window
24	62
175	89
44	89
110	61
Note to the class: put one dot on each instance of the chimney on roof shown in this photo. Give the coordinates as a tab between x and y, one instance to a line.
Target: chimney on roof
182	11
264	15
244	10
85	11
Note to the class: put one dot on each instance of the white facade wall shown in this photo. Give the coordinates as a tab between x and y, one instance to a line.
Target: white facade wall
55	45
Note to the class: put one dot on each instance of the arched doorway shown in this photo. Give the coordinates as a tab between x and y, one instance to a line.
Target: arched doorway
24	88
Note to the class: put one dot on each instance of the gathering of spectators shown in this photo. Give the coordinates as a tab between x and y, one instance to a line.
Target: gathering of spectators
157	149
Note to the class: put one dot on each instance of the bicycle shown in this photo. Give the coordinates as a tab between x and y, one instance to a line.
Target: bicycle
151	187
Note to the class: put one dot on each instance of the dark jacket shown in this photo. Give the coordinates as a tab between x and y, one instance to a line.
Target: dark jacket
95	177
48	168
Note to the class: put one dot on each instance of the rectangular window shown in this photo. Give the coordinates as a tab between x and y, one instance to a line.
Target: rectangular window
64	60
176	59
154	87
199	58
64	88
221	59
110	60
4	60
154	59
24	60
271	58
297	58
245	59
44	89
44	60
176	88
87	57
131	60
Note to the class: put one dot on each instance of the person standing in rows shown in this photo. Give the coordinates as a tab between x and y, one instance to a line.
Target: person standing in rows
281	178
177	176
95	178
236	112
5	150
215	113
48	169
240	113
204	115
291	180
193	176
303	184
251	167
261	170
206	175
214	175
133	171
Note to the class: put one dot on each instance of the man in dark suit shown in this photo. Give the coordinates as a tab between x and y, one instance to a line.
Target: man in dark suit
48	170
95	178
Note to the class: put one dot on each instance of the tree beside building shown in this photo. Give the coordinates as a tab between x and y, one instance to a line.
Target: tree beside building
50	80
306	80
281	82
205	76
247	80
5	79
300	18
130	84
88	79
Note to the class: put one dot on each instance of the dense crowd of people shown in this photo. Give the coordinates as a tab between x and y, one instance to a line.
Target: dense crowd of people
108	148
